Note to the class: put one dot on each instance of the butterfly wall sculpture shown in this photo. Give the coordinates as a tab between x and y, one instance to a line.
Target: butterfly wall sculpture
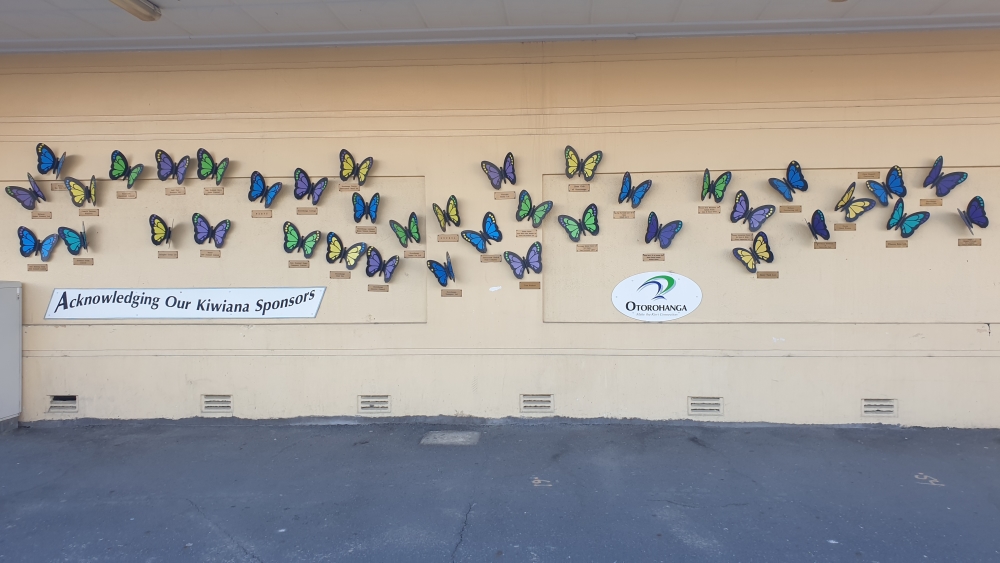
758	253
794	181
754	216
204	231
120	170
335	251
47	161
586	225
532	261
664	234
166	168
26	197
499	175
586	168
443	272
975	214
943	184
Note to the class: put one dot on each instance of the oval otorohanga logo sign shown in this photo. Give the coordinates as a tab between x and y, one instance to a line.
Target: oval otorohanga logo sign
656	296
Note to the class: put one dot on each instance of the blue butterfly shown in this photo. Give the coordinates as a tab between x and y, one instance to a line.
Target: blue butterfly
794	181
361	208
817	226
663	233
893	186
443	272
75	241
634	193
907	224
755	216
975	214
47	161
259	189
31	245
490	232
943	184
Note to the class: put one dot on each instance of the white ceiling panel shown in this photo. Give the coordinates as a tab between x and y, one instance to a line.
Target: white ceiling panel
894	8
215	20
378	15
777	10
52	24
720	10
968	7
630	11
462	13
532	13
295	18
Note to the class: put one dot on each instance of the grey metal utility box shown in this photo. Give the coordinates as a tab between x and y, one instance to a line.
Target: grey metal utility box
10	354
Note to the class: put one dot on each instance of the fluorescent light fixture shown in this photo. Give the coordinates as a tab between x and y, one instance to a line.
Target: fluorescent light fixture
142	9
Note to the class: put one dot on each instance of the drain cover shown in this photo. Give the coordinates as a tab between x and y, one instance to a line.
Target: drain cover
449	438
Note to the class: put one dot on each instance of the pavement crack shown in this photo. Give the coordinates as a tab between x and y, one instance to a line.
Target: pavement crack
461	533
222	531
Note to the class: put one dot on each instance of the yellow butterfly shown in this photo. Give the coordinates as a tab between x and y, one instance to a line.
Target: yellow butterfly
349	167
452	215
159	231
589	167
853	208
81	194
761	252
335	251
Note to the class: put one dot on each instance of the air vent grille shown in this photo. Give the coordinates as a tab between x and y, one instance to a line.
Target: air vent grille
63	404
217	404
538	403
374	404
879	407
705	406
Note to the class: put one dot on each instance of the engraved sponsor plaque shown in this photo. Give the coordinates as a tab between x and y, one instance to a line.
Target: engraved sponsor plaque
773	275
451	293
307	211
932	202
845	227
526	233
214	190
624	215
413	254
586	248
298	263
789	209
577	188
741	236
970	242
378	287
897	244
38	267
166	254
820	245
211	254
261	214
57	187
490	258
530	285
350	188
653	257
83	261
41	214
504	195
869	174
175	190
447	238
90	212
372	230
340	275
125	194
709	209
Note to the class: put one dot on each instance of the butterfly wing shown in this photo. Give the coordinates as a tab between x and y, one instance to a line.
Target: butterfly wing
720	185
508	168
220	231
668	232
76	191
534	257
590	165
848	195
976	212
164	165
92	191
202	228
894	181
817	224
25	197
881	193
451	270
373	206
346	164
757	217
572	226
494	173
374	262
539	213
439	213
292	237
353	253
206	164
935	172
523	205
72	239
741	207
159	231
762	249
782	187
440	272
334	247
390	268
271	193
414	227
949	182
964	215
706	184
590	219
302	183
400	232
39	195
309	243
257	186
359	206
28	241
640	192
796	180
133	175
453	211
746	258
897	216
318	189
652	227
516	263
220	170
572	162
119	165
181	170
363	169
626	189
912	222
490	228
475	239
48	245
46	158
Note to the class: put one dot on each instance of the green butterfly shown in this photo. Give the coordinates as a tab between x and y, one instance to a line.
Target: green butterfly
584	226
295	241
525	210
404	234
120	169
716	189
208	168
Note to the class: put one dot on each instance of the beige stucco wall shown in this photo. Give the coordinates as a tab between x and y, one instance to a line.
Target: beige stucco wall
859	322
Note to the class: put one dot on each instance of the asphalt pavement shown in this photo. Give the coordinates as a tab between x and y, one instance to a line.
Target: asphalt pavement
221	491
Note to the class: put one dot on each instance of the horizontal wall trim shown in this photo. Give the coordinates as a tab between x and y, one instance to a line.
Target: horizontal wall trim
456	352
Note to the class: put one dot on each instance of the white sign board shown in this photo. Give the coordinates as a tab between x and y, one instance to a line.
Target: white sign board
193	303
656	296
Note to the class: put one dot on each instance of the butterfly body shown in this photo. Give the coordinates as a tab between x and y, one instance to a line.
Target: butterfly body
525	209
26	197
405	234
81	194
296	241
443	272
716	189
586	168
159	230
31	244
907	224
260	191
304	187
758	253
376	265
754	216
335	251
975	214
490	232
794	181
350	168
207	167
634	193
120	170
817	226
362	209
853	208
664	234
203	230
499	175
532	261
586	225
447	215
943	184
47	161
74	241
892	187
166	168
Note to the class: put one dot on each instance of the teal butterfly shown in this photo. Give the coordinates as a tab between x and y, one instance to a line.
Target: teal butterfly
75	241
907	224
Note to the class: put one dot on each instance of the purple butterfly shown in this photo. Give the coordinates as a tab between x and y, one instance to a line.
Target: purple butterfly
303	187
378	266
496	175
755	216
26	198
531	261
943	184
664	234
203	230
166	169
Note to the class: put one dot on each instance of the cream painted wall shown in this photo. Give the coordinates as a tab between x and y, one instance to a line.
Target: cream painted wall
858	322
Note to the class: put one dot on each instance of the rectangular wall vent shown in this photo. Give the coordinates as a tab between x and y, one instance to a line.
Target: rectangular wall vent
538	403
879	407
374	404
217	404
705	406
63	403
